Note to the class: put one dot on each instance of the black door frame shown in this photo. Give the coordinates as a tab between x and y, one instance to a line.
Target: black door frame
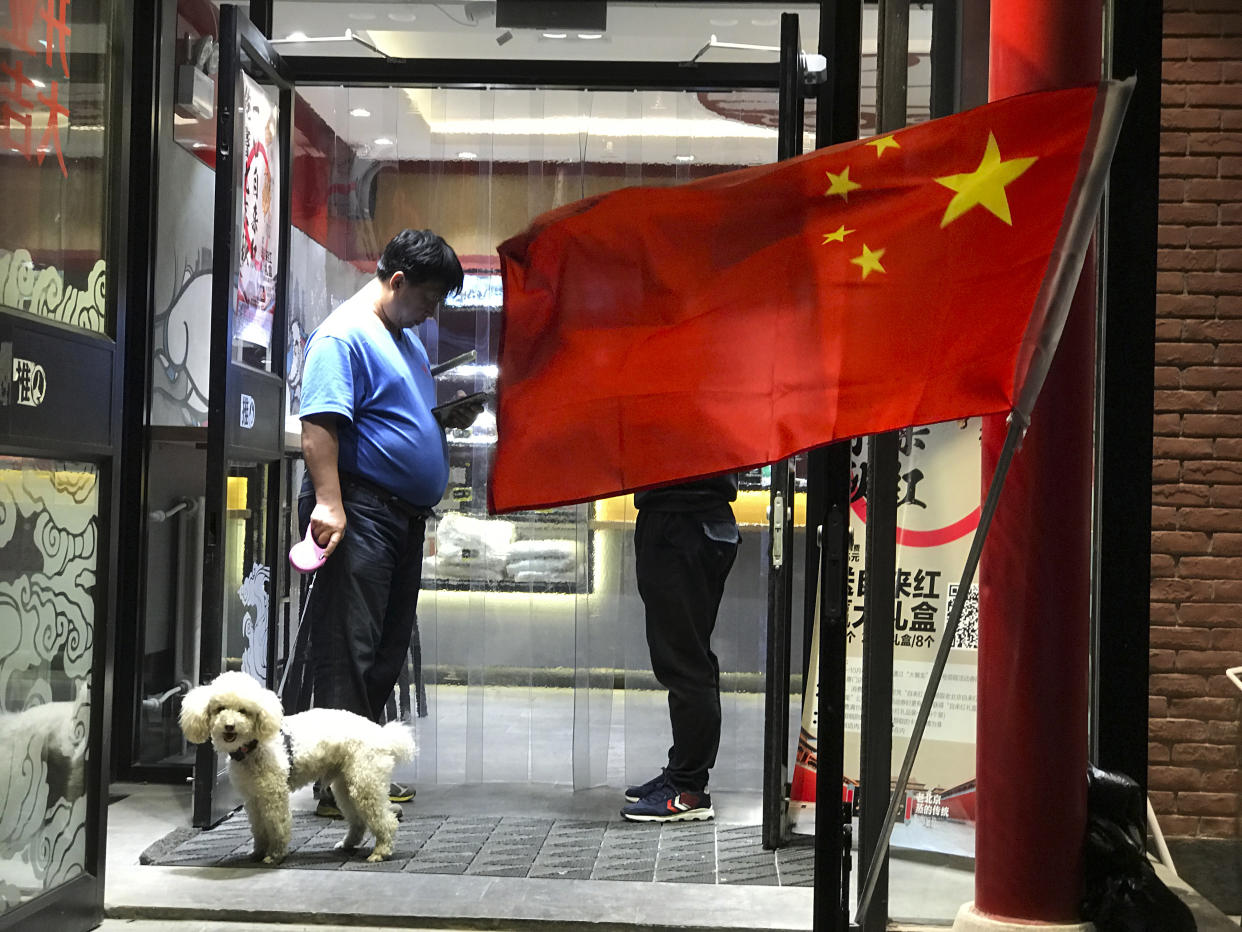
246	405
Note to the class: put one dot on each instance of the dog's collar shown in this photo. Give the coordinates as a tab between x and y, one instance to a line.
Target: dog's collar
244	751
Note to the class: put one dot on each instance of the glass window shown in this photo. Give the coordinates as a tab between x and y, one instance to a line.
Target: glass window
49	523
55	85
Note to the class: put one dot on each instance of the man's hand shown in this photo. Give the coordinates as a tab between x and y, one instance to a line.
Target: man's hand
327	524
461	416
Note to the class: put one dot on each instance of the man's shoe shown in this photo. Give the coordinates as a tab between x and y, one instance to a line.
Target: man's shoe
634	793
327	807
667	804
400	792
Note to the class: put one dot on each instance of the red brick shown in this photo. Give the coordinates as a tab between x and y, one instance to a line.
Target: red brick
1211	567
1174	143
1174	95
1217	804
1222	687
1231	166
1169	330
1174	189
1173	49
1215	331
1187	260
1223	732
1231	213
1179	685
1177	23
1207	237
1168	237
1159	754
1188	119
1179	542
1209	49
1229	260
1229	401
1174	778
1224	544
1164	518
1225	599
1176	729
1227	639
1180	448
1181	590
1212	754
1226	496
1180	637
1161	566
1205	614
1191	72
1163	661
1167	377
1227	448
1211	143
1163	801
1213	425
1229	283
1170	282
1207	519
1168	425
1179	825
1213	472
1190	214
1218	828
1207	661
1179	494
1166	470
1165	400
1163	613
1212	376
1203	707
1157	705
1199	166
1229	354
1185	354
1220	95
1222	781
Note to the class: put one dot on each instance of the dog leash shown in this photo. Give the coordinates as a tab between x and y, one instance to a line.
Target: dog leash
300	640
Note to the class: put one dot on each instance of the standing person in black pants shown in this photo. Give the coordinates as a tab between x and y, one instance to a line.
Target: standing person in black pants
685	542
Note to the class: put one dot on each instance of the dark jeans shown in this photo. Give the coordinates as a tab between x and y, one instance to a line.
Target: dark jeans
682	562
363	607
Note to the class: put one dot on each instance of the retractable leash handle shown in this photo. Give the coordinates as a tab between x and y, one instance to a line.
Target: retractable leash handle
306	555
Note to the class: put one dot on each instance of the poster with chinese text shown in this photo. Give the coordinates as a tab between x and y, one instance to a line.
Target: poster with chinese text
259	242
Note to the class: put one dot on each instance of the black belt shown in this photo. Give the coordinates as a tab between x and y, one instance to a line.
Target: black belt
351	481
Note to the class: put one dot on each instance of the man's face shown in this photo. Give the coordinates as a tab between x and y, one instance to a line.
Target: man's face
414	303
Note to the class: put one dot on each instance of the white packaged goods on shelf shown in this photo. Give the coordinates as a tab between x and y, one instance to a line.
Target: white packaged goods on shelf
543	550
478	535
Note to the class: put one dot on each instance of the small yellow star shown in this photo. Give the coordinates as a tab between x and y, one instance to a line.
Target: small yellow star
869	261
838	236
883	142
985	186
841	184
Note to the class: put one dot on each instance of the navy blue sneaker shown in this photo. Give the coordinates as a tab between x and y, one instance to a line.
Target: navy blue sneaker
634	793
666	804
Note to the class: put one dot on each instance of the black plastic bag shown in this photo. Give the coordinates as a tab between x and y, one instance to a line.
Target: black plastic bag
1121	890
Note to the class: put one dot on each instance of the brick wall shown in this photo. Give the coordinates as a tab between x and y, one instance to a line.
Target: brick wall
1196	547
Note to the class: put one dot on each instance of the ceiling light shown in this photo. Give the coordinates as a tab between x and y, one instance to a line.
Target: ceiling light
467	155
684	158
296	36
37	83
723	22
590	35
555	35
403	17
360	112
763	22
361	17
383	141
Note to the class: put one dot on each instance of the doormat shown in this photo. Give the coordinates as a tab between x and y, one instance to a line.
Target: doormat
510	846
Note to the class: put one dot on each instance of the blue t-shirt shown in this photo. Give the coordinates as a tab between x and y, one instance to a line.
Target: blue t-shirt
383	387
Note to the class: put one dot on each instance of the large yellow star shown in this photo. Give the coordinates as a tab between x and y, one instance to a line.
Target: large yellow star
985	186
836	236
883	142
869	261
841	184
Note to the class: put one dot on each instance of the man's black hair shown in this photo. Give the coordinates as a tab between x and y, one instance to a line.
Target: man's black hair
424	257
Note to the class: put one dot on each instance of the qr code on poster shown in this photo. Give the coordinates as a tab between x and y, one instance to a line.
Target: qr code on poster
967	633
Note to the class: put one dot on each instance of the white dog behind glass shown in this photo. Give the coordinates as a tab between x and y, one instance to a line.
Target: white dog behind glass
272	755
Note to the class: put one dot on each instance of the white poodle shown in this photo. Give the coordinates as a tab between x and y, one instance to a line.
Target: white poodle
271	757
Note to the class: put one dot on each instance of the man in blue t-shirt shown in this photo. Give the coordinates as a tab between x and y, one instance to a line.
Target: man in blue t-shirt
376	462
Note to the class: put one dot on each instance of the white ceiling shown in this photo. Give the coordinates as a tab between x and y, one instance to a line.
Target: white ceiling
598	126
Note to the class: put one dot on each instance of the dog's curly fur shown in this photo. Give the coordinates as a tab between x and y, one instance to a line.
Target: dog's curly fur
352	754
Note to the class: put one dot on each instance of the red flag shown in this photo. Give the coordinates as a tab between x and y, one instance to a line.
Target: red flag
653	335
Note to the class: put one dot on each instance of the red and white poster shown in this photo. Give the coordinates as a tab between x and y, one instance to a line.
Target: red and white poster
938	512
259	242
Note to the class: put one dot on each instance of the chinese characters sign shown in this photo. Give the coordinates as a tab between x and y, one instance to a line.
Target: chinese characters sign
260	234
35	36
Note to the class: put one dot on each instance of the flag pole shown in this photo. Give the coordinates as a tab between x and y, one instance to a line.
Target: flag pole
1052	307
1017	427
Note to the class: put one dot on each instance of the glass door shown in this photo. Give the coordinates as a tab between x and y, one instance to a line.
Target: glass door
61	355
245	411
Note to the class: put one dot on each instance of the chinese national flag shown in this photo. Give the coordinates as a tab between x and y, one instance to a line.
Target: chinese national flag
654	335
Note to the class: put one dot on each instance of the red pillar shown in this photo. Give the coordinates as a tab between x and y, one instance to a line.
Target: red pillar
1035	567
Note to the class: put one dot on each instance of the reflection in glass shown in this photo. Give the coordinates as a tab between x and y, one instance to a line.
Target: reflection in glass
53	173
246	574
48	558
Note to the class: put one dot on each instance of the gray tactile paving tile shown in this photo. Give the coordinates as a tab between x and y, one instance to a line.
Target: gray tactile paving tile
694	852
